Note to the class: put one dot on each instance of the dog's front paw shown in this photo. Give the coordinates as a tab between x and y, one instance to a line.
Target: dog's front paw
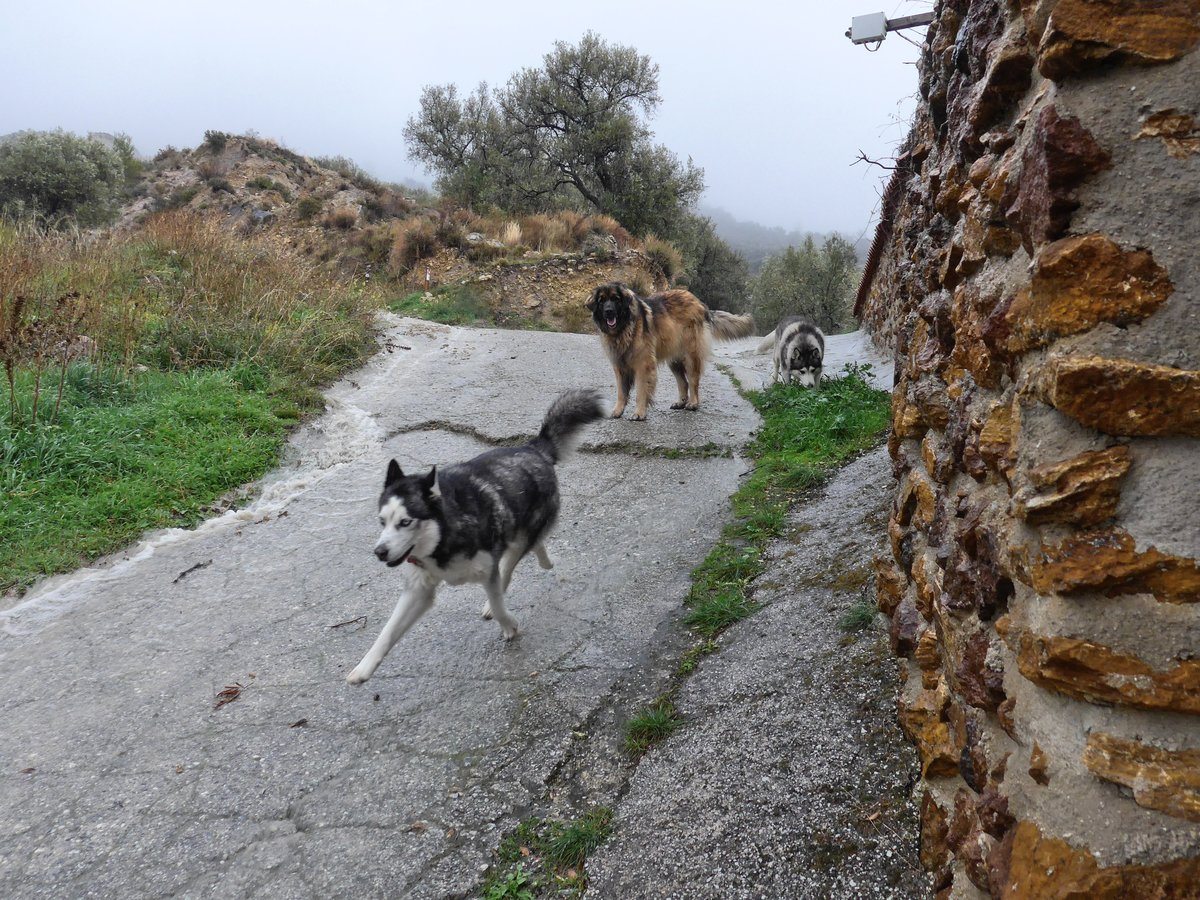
509	633
679	405
358	676
487	611
616	414
638	418
692	407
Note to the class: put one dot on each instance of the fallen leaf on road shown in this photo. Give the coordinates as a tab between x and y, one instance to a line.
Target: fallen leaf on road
357	620
525	851
299	723
417	827
231	693
179	770
28	771
376	698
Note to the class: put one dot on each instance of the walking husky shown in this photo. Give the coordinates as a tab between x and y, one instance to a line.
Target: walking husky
473	522
799	351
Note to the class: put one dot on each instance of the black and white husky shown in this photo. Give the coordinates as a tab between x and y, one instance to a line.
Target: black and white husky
473	522
799	348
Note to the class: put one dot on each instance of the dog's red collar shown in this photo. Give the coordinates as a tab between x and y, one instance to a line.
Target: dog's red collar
416	562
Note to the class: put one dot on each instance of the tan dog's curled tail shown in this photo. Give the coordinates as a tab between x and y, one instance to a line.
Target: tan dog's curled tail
728	327
768	343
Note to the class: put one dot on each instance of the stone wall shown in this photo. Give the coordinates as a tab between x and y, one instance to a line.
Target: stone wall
1040	281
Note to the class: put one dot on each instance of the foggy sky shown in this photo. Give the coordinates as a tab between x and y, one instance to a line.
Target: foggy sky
770	98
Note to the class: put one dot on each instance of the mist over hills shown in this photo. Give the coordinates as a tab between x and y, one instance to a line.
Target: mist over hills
755	241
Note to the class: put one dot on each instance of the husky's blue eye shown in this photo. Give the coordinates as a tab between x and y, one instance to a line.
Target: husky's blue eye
404	523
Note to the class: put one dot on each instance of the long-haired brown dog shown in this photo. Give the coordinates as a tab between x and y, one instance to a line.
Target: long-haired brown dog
672	327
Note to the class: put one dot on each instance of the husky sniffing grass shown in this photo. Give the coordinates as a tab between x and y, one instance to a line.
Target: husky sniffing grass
799	351
473	522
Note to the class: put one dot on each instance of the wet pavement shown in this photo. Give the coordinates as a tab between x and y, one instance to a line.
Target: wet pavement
120	776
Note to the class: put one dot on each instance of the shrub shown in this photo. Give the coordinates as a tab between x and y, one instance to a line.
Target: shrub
307	207
415	239
209	169
396	205
610	226
375	244
59	176
182	196
168	156
600	246
510	236
576	224
486	252
451	235
663	256
130	164
372	208
351	171
220	185
343	218
215	141
640	283
534	229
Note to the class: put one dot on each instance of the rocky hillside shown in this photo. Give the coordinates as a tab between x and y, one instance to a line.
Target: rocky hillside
536	270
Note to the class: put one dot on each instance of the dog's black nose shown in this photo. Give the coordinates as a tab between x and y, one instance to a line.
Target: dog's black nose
381	552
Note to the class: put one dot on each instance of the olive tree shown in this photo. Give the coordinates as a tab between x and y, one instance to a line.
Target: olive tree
571	132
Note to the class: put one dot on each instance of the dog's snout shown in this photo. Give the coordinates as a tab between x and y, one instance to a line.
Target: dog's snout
381	552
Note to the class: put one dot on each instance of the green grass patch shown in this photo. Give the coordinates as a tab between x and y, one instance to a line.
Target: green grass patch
691	659
456	304
124	456
805	435
545	858
858	617
651	725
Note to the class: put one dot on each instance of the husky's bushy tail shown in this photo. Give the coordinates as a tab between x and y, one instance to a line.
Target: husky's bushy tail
566	416
768	344
728	327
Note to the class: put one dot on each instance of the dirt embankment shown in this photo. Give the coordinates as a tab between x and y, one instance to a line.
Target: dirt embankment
550	289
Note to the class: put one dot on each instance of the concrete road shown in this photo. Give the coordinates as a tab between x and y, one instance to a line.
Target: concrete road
121	777
790	777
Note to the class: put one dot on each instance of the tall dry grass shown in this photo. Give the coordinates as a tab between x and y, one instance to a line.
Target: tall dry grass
177	294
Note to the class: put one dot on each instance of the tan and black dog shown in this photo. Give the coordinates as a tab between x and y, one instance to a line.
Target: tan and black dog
672	327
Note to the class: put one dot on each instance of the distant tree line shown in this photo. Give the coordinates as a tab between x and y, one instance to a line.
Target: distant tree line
811	280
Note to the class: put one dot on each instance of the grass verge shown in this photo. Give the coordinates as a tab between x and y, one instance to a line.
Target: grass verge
147	373
805	435
461	304
456	304
545	858
124	457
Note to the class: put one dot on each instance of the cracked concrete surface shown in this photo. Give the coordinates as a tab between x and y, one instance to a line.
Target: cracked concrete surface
118	777
790	776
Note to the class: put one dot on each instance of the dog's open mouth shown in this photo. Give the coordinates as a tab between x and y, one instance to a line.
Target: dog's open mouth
610	320
392	563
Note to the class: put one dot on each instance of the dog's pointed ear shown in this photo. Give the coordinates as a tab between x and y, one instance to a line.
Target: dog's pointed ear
394	473
429	482
593	300
628	293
